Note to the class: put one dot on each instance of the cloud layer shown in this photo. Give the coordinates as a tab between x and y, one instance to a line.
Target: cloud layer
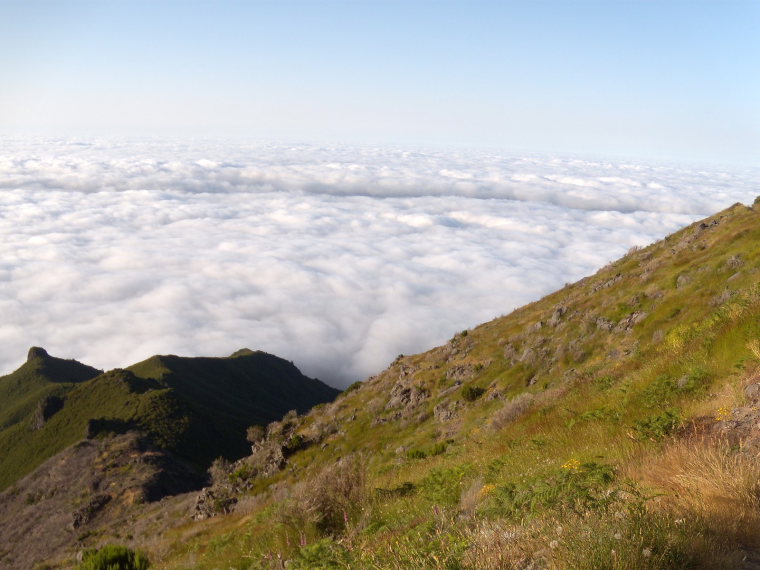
336	258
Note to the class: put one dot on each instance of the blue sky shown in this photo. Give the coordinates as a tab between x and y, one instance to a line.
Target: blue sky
664	79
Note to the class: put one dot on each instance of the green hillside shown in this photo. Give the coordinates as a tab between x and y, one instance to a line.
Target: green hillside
40	376
608	425
198	408
228	395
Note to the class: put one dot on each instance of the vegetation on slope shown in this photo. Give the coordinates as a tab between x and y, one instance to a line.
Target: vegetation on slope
228	395
198	408
604	426
39	377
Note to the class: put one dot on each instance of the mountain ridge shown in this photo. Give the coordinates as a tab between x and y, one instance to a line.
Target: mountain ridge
184	404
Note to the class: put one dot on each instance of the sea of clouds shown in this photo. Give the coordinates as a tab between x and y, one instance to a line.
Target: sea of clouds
338	258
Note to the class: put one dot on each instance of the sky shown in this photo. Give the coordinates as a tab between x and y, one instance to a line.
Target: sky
664	79
340	182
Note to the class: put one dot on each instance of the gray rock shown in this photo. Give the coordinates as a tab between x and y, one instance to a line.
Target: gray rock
557	316
85	514
753	392
405	395
604	324
682	280
461	372
446	411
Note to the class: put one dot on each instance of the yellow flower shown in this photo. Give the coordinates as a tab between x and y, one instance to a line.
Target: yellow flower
487	490
723	414
572	465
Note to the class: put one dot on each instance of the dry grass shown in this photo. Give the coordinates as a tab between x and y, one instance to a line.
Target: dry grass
497	545
329	502
512	410
754	347
710	480
471	497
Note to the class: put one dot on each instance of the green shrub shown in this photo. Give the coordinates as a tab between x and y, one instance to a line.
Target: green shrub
577	486
113	557
352	387
658	426
660	390
604	382
597	414
323	554
443	486
472	393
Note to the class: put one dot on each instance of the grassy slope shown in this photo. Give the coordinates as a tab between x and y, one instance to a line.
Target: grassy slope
40	376
579	390
230	394
255	384
185	404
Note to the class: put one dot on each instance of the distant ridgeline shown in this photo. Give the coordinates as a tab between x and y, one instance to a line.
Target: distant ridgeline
196	408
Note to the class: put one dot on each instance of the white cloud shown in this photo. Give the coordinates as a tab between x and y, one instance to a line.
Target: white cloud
337	258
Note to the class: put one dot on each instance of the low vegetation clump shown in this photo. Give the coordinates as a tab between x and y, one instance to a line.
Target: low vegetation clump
114	557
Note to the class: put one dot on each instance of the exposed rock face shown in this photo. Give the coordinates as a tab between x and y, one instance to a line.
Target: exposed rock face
741	426
269	458
212	502
628	323
753	392
608	283
557	315
604	324
46	408
446	411
405	394
92	485
85	514
461	372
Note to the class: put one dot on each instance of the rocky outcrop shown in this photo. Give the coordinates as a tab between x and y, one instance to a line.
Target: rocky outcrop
406	394
446	411
90	487
626	324
212	502
46	409
85	514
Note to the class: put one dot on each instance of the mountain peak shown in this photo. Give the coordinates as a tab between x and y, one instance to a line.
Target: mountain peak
36	352
242	352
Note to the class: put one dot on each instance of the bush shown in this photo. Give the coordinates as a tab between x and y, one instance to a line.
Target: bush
113	557
575	486
255	433
512	410
329	501
323	554
416	454
352	387
444	486
472	393
658	426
